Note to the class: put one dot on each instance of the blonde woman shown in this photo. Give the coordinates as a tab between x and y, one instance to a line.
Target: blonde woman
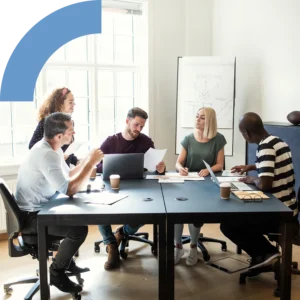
205	143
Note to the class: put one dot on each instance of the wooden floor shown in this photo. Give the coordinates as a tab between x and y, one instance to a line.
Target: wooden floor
137	276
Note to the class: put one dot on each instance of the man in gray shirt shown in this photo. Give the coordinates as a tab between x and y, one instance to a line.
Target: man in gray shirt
41	176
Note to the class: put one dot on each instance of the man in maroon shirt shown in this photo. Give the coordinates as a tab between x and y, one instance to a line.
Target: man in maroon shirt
131	140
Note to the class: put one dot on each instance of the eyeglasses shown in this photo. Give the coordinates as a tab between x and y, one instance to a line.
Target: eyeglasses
251	198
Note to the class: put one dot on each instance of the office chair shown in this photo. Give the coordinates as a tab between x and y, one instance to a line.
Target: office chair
27	244
142	237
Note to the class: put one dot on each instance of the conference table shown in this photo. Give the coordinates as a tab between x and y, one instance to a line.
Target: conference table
66	211
202	205
200	202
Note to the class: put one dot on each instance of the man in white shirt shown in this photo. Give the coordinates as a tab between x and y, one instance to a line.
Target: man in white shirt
41	176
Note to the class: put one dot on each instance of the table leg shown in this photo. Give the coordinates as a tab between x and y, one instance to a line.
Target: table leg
42	248
285	268
162	287
170	261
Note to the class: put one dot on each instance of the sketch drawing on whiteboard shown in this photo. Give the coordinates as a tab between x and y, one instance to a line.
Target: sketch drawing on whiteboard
208	90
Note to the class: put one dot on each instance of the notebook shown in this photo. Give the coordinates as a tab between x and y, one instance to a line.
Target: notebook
127	165
236	186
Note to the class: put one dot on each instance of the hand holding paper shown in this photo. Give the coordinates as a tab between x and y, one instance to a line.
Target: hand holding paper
153	157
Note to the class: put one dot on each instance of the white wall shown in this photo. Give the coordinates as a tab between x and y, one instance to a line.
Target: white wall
264	36
176	28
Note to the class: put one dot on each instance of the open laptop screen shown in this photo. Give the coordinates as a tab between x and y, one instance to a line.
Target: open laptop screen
127	165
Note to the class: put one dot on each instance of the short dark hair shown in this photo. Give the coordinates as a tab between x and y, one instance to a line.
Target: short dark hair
136	111
55	123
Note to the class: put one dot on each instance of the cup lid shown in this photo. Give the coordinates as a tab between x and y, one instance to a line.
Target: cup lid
225	184
114	176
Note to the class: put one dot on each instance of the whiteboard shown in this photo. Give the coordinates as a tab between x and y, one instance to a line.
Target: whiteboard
205	81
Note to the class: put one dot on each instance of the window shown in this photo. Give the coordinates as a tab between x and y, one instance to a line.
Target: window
105	72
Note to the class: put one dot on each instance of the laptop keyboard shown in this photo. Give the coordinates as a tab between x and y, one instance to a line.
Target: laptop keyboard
233	187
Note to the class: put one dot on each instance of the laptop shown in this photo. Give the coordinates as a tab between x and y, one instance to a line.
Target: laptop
127	165
236	186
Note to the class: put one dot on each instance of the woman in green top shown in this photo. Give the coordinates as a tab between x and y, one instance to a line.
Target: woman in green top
205	143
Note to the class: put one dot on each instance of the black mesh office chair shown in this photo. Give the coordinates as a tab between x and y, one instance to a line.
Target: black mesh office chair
27	244
142	237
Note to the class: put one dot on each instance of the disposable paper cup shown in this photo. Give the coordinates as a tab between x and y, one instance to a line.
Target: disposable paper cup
225	190
114	181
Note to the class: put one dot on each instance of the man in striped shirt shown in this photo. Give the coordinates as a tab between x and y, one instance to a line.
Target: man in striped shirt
275	175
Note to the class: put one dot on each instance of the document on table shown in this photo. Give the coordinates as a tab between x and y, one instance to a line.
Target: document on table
170	180
228	179
228	173
106	197
190	176
153	157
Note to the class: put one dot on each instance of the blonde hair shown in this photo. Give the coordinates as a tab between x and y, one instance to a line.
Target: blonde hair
210	127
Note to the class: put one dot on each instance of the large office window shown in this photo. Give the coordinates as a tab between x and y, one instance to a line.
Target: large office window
106	73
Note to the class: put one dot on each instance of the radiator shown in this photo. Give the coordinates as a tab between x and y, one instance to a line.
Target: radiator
11	183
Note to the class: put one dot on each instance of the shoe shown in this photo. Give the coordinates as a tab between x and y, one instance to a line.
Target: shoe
60	280
119	236
178	253
113	260
264	261
74	269
192	259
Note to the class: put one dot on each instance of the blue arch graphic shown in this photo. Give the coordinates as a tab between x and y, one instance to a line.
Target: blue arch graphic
41	41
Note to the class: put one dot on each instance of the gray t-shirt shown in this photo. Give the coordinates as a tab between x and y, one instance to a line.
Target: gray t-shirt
43	173
197	152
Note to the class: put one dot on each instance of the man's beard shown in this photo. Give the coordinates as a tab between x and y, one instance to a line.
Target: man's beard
134	135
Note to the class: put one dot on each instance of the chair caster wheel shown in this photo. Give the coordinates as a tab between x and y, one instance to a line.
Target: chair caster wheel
79	279
76	296
277	292
154	251
295	265
97	249
206	257
224	248
8	291
146	236
123	254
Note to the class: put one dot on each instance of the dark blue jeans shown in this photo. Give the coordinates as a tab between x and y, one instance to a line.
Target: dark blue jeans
108	236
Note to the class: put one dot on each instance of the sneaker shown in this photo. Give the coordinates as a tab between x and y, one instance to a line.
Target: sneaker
263	261
59	279
192	259
178	253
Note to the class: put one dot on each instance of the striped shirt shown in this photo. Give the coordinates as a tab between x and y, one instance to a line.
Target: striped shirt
274	159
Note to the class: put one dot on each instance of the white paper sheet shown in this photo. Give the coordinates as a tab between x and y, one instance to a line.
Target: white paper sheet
228	173
190	176
170	180
73	148
106	198
153	157
228	179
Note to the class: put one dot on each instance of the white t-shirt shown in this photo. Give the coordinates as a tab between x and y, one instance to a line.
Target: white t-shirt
43	173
